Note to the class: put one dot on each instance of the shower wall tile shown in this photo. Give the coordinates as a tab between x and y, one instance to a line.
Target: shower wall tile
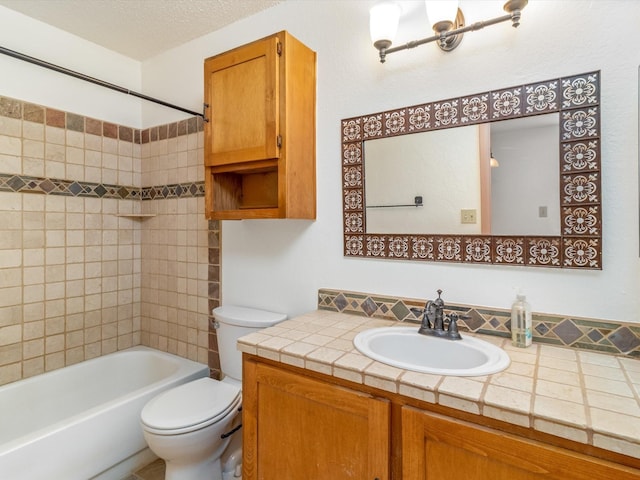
174	294
76	277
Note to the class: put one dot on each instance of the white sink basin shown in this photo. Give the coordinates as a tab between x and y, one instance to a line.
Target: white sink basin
404	347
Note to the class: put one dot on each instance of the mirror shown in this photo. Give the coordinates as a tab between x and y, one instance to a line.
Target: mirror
461	191
418	182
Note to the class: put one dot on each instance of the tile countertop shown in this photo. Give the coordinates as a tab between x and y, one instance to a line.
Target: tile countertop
587	397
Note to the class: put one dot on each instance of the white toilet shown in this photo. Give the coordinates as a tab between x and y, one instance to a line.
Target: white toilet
186	426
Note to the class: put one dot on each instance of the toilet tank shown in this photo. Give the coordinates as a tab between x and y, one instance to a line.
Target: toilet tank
233	322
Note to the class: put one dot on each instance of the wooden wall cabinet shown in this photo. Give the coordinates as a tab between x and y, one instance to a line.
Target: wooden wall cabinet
313	427
259	150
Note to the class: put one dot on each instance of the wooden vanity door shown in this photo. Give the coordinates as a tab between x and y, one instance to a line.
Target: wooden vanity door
437	448
298	428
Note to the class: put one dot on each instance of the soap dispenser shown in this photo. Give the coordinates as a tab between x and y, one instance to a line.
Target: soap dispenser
521	322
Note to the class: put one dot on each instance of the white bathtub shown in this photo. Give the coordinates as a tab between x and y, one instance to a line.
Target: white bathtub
83	421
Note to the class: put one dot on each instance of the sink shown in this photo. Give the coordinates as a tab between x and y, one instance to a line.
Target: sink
404	347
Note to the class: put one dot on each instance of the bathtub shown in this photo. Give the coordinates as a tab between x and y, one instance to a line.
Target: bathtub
83	421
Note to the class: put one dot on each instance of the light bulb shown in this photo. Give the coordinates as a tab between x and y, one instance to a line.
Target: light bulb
441	12
383	23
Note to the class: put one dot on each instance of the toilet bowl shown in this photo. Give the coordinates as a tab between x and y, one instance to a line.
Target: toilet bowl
185	426
191	426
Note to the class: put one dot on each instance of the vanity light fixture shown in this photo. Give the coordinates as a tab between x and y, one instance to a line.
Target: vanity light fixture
493	161
446	19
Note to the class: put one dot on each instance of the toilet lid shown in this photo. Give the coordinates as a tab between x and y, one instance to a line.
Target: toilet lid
190	405
247	317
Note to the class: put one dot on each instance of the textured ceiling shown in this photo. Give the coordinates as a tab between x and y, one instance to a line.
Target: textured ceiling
139	29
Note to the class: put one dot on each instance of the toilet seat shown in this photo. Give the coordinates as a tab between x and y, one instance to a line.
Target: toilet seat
191	406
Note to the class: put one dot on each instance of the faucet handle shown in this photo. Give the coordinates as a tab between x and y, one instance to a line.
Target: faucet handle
452	329
453	322
438	301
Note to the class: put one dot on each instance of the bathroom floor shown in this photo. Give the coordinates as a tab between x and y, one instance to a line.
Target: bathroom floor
153	471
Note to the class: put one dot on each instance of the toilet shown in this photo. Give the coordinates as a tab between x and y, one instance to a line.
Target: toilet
187	426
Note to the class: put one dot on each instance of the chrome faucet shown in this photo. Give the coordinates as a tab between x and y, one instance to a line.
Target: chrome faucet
433	320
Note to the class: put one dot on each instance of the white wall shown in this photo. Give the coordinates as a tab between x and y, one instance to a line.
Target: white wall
35	84
281	264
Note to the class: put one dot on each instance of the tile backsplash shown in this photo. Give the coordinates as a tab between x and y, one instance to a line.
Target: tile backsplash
583	333
103	240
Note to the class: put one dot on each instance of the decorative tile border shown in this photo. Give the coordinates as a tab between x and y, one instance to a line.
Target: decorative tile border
72	188
575	98
17	109
214	291
50	117
582	333
177	190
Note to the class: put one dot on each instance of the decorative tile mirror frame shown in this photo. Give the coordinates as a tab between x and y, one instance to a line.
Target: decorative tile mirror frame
576	98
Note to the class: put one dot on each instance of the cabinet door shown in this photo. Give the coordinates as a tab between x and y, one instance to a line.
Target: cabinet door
242	90
436	448
298	428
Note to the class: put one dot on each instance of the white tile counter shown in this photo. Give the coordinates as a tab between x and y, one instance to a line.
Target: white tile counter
587	397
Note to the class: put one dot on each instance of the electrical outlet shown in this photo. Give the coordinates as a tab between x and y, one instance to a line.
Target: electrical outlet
542	211
468	216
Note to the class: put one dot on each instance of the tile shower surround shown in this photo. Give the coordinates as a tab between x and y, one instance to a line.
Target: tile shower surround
75	280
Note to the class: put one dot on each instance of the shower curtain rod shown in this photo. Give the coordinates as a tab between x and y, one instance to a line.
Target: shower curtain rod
87	78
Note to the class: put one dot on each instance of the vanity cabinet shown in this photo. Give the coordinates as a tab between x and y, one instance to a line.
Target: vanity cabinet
295	427
303	425
438	447
259	140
